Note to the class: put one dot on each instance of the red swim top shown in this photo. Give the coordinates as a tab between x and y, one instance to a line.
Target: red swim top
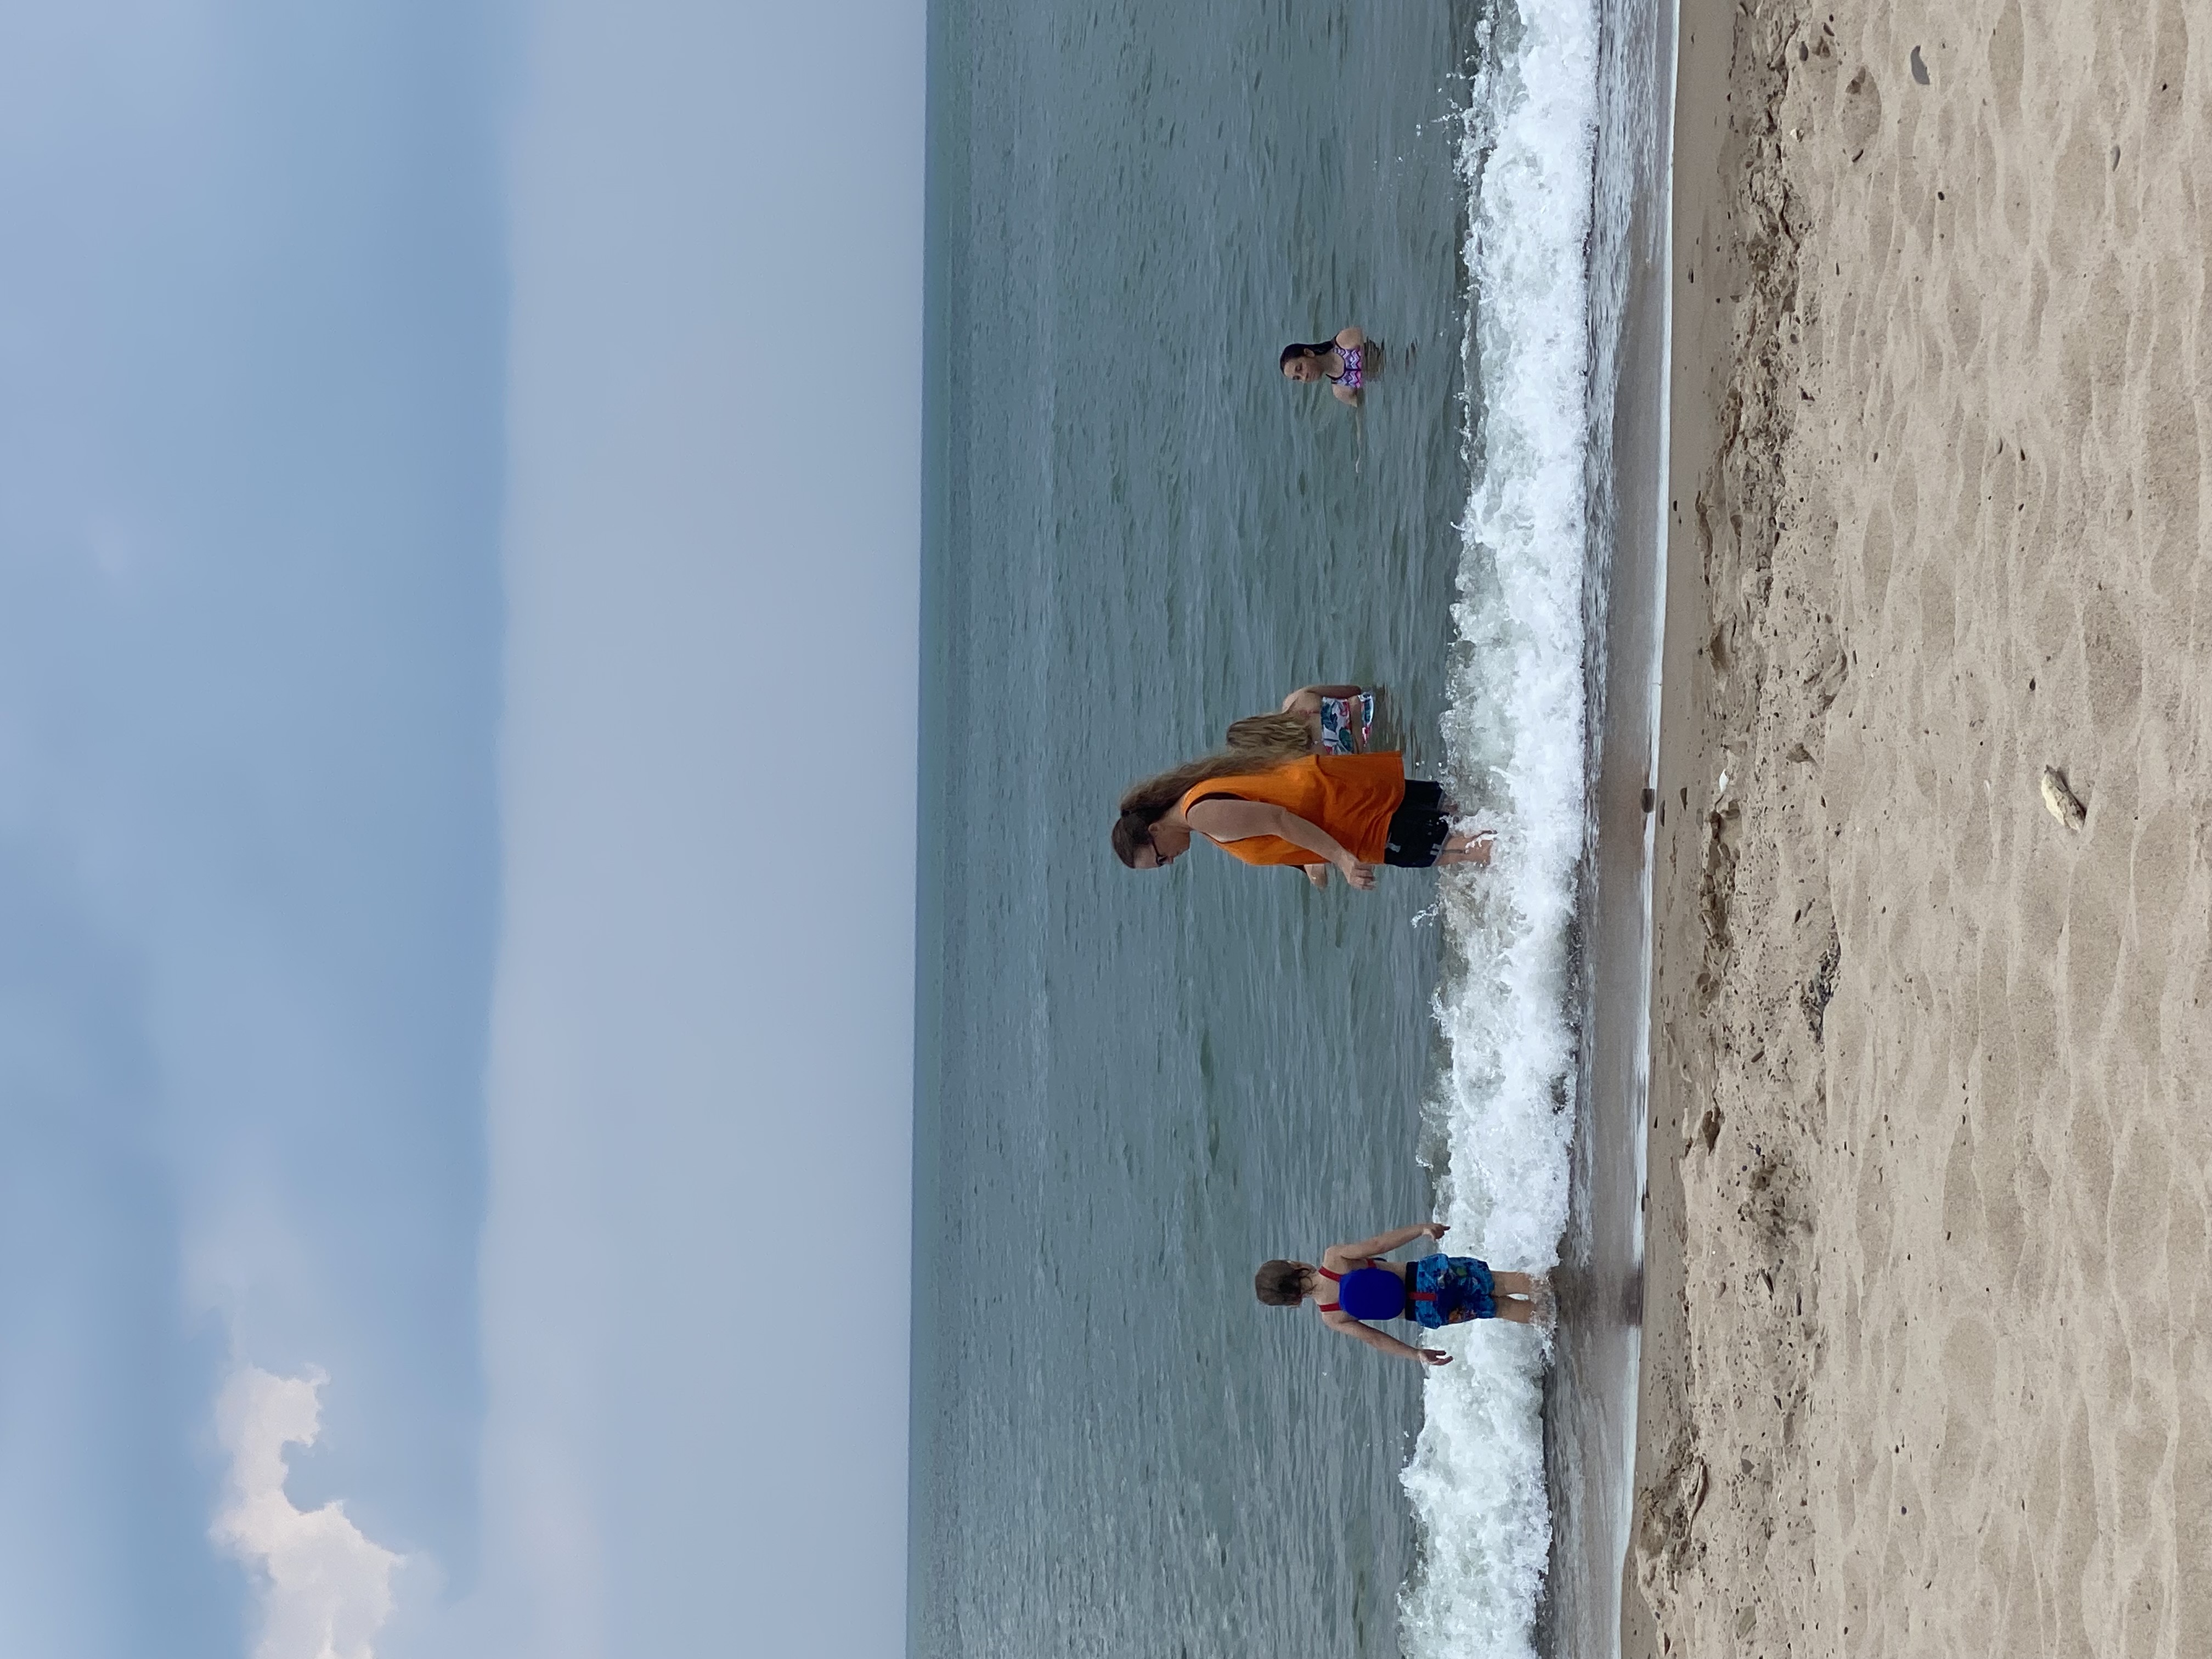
1373	1292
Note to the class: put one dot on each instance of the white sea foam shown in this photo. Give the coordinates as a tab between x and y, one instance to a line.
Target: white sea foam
1514	738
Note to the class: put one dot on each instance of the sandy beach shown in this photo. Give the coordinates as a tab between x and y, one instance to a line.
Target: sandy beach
1928	1351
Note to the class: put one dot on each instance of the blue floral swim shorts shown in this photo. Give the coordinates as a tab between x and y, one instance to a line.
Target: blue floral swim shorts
1344	723
1450	1290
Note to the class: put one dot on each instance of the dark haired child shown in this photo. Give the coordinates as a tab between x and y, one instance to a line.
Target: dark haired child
1345	362
1353	1285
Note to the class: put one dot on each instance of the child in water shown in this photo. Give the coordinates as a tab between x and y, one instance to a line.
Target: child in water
1345	362
1338	716
1353	1284
1314	720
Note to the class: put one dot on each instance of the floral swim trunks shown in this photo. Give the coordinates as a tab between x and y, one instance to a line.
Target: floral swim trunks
1344	723
1450	1290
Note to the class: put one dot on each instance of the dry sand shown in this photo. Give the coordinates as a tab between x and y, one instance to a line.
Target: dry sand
1929	1342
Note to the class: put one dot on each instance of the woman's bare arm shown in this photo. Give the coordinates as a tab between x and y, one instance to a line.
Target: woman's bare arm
1300	832
1240	820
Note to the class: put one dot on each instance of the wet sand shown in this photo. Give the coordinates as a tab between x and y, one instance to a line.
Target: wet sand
1927	1358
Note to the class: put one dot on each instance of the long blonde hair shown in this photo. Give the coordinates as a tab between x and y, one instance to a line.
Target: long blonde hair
1258	743
1272	739
1145	803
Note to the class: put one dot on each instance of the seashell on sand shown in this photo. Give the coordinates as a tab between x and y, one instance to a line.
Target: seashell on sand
2064	806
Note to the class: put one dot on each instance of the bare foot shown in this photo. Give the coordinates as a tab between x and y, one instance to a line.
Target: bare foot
1468	849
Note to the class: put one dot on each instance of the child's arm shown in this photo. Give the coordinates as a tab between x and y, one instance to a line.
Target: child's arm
1381	1244
1306	700
1349	337
1343	1325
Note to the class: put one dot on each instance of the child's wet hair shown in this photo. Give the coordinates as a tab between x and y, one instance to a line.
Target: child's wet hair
1280	1284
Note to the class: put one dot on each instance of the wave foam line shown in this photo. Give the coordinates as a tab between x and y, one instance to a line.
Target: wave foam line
1514	747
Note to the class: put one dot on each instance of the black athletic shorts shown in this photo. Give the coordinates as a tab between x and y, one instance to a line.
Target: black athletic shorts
1418	829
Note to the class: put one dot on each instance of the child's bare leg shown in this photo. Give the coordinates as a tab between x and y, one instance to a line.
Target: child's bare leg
1523	1298
1466	849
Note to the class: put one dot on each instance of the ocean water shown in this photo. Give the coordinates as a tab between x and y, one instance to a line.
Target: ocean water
1131	1089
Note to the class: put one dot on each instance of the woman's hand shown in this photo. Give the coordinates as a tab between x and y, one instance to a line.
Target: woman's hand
1435	1229
1432	1356
1316	873
1356	874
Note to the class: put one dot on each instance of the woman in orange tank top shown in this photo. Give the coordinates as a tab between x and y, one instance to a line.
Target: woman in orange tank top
1354	811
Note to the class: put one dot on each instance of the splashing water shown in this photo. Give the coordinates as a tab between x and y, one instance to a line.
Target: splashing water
1503	1118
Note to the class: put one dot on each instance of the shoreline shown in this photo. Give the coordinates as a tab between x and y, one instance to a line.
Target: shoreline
1700	348
1930	1223
1590	1386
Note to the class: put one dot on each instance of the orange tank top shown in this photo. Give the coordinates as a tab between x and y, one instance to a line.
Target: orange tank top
1351	796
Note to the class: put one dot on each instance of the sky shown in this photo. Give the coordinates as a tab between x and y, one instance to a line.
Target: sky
459	563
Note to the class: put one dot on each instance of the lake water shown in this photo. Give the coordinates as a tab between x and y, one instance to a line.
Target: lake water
1133	1088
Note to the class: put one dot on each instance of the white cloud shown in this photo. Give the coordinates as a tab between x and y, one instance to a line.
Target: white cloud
325	1588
